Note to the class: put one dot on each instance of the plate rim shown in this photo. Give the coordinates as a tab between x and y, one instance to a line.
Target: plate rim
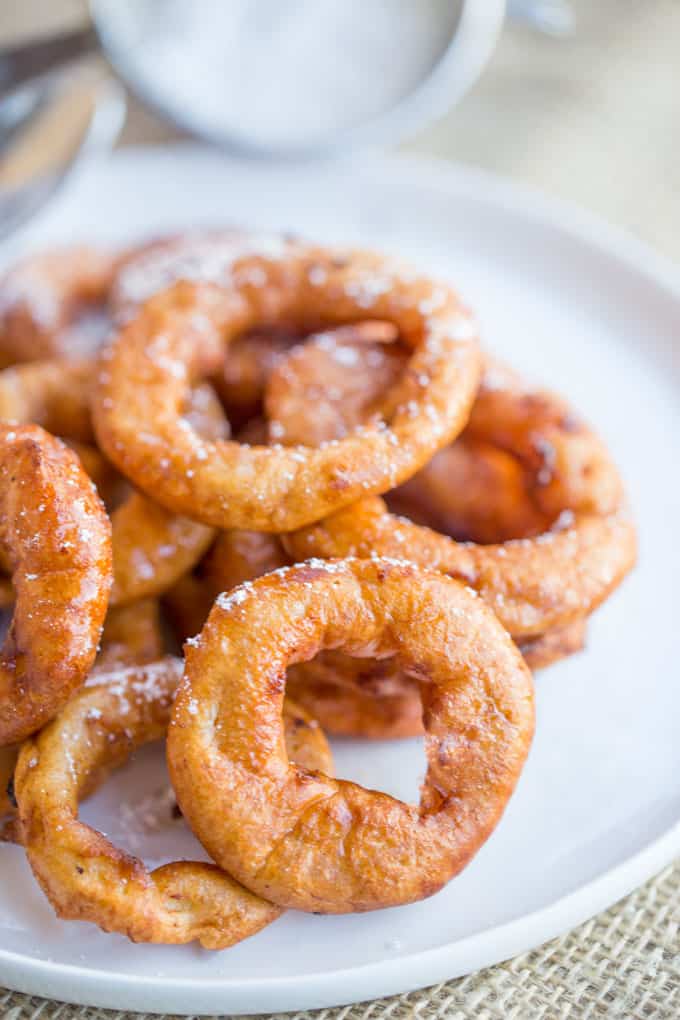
102	989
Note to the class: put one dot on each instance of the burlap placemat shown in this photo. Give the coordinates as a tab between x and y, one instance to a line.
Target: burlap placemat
625	964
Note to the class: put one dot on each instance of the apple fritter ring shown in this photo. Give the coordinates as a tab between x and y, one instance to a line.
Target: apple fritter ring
56	537
235	556
568	465
132	635
42	299
152	547
534	584
333	382
350	696
83	875
8	759
181	336
358	697
376	700
561	642
303	839
473	491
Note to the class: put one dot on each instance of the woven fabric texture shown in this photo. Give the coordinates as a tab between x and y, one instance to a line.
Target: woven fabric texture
624	965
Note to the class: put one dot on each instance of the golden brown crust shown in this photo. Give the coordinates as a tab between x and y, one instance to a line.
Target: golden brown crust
358	697
304	840
83	875
568	465
353	697
248	364
535	584
235	556
55	532
51	393
152	547
374	699
198	254
547	649
8	759
472	491
349	696
181	336
132	635
333	382
42	297
6	591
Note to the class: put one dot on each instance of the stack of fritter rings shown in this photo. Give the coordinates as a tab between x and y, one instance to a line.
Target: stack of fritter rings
355	521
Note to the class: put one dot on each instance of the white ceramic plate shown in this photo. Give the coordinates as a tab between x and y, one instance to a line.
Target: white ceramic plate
596	812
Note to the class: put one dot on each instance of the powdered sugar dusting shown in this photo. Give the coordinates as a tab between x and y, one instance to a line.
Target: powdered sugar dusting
153	813
205	257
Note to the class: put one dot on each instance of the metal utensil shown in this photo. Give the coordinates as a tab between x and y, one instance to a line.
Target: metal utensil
48	126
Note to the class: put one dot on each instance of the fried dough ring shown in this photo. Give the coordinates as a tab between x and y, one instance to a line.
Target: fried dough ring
332	382
473	491
559	643
50	393
375	700
83	875
62	580
349	696
131	636
181	335
353	697
534	585
152	266
236	556
201	255
249	362
358	697
152	548
304	840
8	759
41	298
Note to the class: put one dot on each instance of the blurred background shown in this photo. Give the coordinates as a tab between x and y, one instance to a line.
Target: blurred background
592	116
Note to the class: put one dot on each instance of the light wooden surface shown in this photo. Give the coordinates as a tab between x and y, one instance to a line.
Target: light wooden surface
594	118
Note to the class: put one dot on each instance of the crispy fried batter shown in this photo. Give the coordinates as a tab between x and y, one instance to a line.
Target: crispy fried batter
132	635
559	643
248	364
333	382
235	556
307	841
8	759
42	299
358	697
152	547
83	875
181	335
535	585
473	491
57	538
